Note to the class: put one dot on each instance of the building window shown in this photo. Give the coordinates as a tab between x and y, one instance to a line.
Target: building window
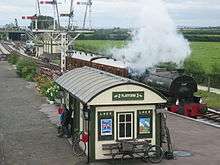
125	126
144	124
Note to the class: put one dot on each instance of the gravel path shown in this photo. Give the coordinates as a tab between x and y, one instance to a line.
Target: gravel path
29	137
213	90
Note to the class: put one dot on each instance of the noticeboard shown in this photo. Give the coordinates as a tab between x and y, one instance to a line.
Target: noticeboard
106	125
144	123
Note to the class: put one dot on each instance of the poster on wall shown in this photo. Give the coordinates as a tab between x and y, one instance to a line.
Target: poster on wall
106	127
144	125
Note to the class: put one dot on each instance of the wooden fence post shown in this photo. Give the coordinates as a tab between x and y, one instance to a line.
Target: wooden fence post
209	83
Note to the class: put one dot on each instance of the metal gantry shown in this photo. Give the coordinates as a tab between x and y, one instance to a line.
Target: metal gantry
58	35
88	5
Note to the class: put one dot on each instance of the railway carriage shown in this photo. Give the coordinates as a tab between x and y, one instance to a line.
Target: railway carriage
102	63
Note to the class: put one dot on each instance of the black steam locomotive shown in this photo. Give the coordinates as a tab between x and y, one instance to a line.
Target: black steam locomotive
179	89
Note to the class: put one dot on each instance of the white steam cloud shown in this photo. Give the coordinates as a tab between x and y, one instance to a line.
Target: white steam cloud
156	39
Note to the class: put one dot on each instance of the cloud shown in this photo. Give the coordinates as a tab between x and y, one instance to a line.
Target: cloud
193	5
8	8
110	13
195	12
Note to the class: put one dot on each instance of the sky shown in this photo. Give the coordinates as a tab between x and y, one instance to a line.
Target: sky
117	13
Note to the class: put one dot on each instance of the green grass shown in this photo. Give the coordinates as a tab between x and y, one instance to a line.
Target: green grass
98	46
56	62
206	54
211	99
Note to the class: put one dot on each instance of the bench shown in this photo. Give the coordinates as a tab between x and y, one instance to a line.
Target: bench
125	148
113	147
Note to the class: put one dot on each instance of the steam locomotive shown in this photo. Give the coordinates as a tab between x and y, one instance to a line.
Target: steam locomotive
179	89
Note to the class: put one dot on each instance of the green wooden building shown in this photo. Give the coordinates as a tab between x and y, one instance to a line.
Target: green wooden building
117	108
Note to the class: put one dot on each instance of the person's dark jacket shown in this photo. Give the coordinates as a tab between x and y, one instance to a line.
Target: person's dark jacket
67	117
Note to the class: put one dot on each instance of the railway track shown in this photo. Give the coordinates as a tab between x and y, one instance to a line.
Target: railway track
3	56
212	117
6	47
39	62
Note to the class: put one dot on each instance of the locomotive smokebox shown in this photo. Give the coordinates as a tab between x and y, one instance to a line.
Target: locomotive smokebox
172	84
183	86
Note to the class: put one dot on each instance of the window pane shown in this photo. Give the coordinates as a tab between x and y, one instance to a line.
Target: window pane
128	117
121	118
128	130
122	130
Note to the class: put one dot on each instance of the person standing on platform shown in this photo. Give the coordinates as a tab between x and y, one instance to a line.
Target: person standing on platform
65	119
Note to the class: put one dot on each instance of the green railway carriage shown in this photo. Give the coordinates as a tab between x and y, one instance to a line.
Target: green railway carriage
117	108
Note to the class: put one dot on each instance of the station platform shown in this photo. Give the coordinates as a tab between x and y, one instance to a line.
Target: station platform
200	141
34	141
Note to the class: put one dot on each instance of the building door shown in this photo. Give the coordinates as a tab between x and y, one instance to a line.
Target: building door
125	126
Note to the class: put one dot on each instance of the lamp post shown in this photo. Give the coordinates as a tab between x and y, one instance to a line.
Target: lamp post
86	112
61	96
86	115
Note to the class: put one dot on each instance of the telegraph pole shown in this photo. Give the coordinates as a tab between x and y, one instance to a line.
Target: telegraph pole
64	48
90	14
71	15
88	4
57	11
38	7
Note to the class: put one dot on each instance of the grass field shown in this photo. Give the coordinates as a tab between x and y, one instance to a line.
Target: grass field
211	99
98	46
204	53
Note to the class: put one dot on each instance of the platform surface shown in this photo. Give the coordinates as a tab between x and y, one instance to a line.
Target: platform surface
30	138
201	140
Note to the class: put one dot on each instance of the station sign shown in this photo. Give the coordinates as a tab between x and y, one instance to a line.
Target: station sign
128	96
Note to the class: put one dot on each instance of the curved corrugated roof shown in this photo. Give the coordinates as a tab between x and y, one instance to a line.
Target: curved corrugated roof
85	83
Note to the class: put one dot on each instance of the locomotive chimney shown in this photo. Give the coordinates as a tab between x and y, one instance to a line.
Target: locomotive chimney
181	71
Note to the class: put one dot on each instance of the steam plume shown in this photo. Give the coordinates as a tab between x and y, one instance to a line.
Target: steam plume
156	39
